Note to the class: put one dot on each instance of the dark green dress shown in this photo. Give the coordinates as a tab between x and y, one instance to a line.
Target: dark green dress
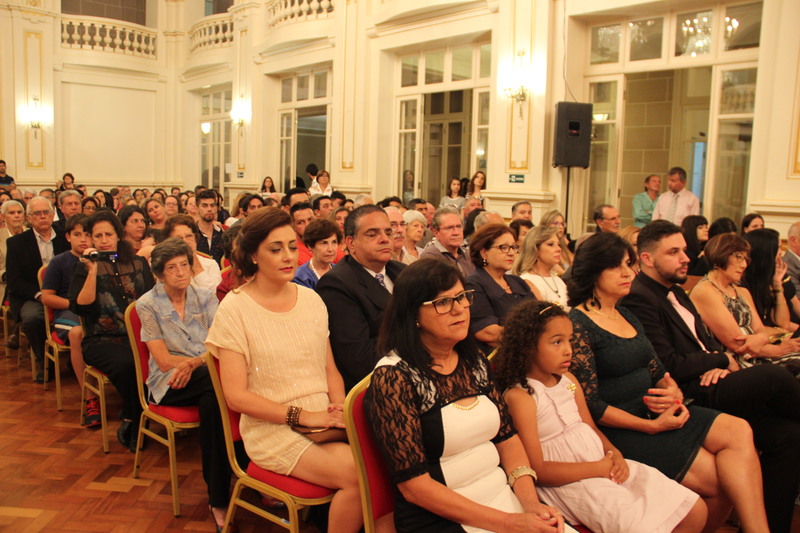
615	371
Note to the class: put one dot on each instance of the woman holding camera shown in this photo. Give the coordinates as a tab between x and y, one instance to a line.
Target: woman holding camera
108	278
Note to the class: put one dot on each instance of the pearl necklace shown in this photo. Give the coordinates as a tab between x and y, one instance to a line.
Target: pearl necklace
314	270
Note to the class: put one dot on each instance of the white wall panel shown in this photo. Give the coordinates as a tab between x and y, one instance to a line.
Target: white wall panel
109	133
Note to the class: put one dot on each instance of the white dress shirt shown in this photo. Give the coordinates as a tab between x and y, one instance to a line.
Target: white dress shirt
686	203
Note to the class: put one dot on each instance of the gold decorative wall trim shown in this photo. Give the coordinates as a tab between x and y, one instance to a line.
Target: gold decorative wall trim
34	145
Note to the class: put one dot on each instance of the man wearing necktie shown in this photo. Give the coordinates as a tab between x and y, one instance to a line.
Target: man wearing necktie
26	253
767	396
357	290
679	202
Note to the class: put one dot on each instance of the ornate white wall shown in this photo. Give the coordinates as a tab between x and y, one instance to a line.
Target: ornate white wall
128	111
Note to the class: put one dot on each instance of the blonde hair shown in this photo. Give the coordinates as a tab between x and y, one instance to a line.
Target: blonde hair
627	232
546	220
529	253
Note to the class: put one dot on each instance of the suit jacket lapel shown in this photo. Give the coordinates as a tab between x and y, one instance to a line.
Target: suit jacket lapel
377	294
708	341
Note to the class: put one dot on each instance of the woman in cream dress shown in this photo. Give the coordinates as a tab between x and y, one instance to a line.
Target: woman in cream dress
277	369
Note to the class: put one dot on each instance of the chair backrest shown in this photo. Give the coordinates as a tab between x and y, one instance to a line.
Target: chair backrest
377	494
230	418
49	314
141	354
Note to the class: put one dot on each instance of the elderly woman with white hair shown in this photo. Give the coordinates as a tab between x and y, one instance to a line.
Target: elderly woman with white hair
14	215
415	231
176	317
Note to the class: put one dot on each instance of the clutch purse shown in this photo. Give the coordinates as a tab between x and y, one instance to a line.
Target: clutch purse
322	435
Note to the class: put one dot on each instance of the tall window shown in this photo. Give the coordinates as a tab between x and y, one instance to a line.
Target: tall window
215	138
443	120
303	124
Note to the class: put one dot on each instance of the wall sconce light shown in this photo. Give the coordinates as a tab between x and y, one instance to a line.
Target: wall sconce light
35	113
34	116
519	95
240	112
205	127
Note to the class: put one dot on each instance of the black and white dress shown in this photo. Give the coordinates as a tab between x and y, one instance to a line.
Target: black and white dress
422	430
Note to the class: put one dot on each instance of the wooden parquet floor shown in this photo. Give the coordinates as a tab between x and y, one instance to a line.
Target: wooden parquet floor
54	476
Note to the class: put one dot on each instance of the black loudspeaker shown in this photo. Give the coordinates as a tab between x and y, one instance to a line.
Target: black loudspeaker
573	138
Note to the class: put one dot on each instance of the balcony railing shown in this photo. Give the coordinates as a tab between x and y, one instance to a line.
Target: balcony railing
284	11
104	35
213	32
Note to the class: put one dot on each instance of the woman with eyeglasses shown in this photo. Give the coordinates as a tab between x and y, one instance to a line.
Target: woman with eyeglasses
555	219
172	205
493	251
206	272
89	205
731	314
175	320
452	451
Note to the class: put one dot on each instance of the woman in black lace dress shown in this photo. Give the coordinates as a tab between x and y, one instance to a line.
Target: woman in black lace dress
640	408
441	422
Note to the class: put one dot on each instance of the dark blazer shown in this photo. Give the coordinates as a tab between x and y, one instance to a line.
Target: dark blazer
676	347
23	262
491	302
793	269
355	302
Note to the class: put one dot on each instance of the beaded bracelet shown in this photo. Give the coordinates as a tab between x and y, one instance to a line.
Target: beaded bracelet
293	416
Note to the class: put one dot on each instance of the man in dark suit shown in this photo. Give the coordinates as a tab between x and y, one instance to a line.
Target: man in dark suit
26	253
765	395
69	203
357	291
792	255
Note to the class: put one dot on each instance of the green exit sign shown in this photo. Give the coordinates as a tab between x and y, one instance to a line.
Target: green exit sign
516	178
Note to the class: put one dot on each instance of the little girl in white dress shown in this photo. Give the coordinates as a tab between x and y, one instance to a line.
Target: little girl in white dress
580	471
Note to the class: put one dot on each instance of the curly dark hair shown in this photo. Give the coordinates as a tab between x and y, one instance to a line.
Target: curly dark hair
598	253
522	328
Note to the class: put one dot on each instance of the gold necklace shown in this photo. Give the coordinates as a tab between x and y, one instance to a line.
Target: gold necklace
610	317
468	407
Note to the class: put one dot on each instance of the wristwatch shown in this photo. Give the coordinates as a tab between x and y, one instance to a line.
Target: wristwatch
519	472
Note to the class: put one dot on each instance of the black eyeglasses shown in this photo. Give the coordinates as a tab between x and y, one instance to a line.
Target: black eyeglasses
506	247
445	304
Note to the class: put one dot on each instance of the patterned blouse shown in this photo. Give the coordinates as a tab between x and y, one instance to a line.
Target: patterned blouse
185	337
118	285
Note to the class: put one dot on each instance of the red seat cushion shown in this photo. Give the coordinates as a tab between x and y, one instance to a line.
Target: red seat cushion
55	338
291	485
177	414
